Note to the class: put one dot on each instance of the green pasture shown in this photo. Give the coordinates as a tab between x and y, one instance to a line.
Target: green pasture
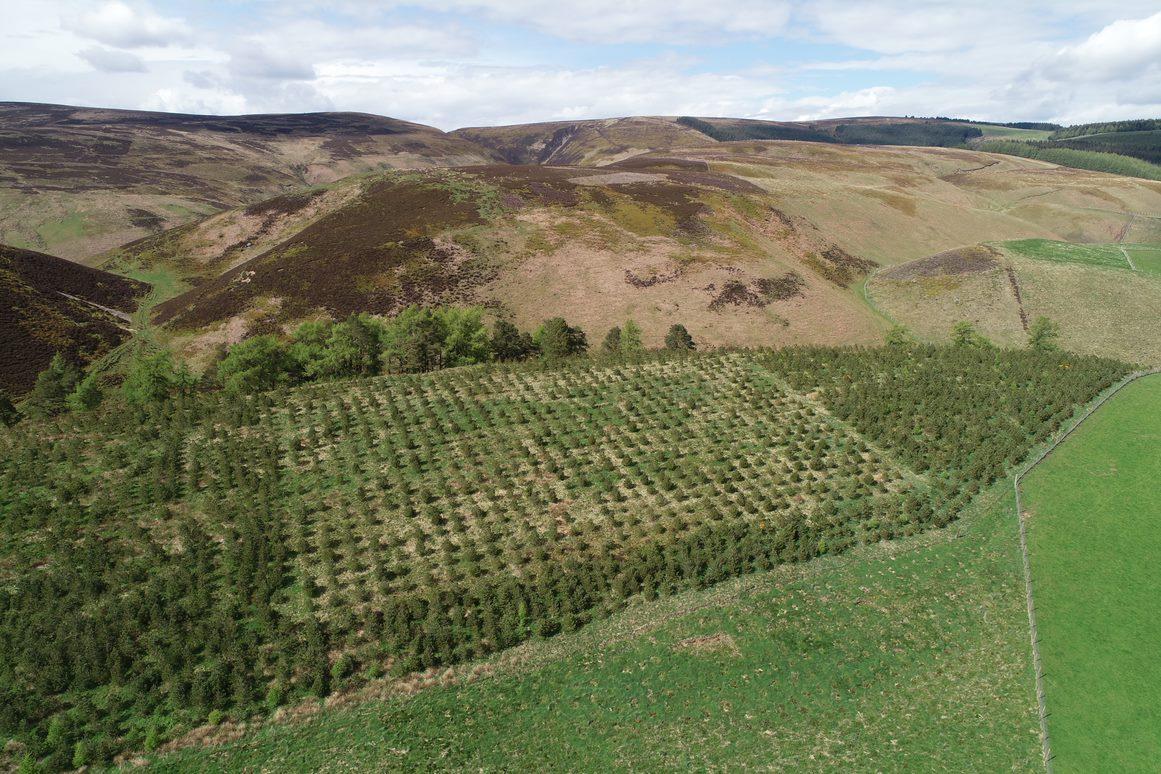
1108	255
1094	515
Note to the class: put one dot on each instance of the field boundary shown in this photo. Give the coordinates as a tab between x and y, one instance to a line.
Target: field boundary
1055	441
1128	258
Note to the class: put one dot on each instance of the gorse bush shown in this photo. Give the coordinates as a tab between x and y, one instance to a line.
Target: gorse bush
216	555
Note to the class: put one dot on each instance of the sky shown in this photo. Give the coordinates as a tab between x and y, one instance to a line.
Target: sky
453	63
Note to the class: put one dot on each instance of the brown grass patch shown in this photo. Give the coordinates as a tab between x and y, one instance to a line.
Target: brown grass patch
905	204
709	643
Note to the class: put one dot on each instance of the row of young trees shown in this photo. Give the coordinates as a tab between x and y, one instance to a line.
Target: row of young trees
1043	336
418	340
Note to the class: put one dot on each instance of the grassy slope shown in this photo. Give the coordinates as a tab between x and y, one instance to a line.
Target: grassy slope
658	245
1064	252
893	204
1093	535
546	253
1101	304
909	655
995	132
1146	258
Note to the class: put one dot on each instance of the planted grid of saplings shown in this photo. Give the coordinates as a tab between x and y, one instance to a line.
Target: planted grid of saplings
221	554
402	483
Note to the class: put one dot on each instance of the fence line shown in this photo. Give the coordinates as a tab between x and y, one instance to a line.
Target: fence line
1045	740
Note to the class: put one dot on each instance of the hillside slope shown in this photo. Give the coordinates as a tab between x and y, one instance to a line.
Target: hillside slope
584	143
50	305
745	243
76	181
665	246
893	204
1104	297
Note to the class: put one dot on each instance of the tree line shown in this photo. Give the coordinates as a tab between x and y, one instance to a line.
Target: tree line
417	340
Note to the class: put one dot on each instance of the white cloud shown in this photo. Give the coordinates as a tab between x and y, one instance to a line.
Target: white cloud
181	100
119	24
864	102
257	61
470	62
450	95
616	21
110	60
1123	49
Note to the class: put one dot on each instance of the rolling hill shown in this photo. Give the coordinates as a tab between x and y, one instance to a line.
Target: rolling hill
75	181
582	143
607	141
1103	296
769	552
667	245
50	305
746	243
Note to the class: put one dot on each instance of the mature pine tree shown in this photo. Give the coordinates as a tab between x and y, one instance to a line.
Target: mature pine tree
508	343
631	338
53	386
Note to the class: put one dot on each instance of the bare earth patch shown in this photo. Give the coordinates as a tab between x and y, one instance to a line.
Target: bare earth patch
710	643
618	178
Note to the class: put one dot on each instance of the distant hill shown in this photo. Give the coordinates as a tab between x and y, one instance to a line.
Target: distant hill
746	243
50	305
585	143
1131	148
875	130
76	181
605	141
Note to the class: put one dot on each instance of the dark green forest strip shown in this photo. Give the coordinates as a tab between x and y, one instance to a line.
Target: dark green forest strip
1096	161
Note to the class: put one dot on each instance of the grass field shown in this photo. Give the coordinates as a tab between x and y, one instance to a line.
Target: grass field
1146	258
908	655
995	132
1094	509
1067	252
